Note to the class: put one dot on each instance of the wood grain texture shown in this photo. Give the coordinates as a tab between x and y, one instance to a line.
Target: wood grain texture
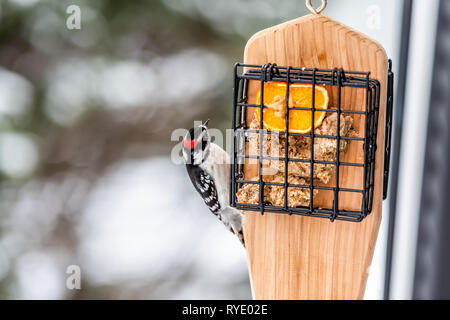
295	257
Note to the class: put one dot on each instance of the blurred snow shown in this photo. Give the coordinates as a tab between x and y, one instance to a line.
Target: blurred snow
143	218
235	16
77	84
18	154
24	3
39	277
12	103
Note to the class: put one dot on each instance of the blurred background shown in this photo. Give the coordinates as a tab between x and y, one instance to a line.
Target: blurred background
86	118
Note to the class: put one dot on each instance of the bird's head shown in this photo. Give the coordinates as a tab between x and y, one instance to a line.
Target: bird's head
196	145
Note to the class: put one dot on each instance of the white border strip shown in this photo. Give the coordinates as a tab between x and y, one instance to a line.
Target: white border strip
415	122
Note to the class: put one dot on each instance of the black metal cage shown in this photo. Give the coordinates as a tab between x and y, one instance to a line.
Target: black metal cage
336	80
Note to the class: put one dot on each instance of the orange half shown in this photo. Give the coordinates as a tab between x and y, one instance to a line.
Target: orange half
300	121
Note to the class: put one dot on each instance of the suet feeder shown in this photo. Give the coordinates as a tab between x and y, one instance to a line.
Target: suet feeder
323	248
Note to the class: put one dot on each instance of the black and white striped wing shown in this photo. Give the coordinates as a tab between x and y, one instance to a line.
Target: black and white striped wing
206	187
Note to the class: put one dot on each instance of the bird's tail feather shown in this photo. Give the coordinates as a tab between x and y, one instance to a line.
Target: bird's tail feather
236	219
240	235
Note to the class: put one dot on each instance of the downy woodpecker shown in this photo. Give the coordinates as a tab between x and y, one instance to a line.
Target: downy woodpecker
208	166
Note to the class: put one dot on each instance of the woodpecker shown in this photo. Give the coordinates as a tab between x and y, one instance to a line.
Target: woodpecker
208	166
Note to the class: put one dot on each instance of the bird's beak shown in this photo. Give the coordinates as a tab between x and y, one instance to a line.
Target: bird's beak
206	123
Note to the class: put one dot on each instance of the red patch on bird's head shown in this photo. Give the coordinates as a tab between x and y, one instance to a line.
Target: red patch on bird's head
190	144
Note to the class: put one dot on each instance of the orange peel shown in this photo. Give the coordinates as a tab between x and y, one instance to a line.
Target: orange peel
300	96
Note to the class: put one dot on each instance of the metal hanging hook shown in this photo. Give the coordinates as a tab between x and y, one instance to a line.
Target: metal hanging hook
314	10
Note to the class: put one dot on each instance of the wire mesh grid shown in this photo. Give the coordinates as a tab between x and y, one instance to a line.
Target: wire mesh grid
244	74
